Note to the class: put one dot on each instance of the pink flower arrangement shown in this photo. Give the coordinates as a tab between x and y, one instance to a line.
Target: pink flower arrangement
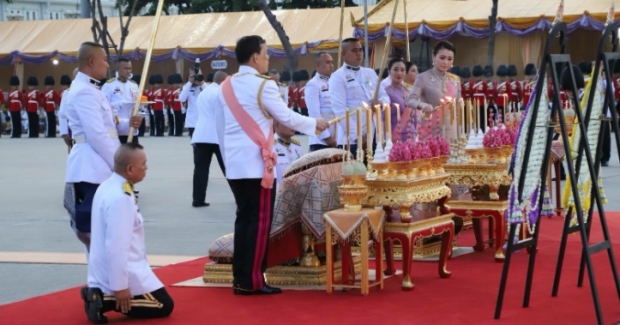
400	152
413	150
444	146
433	144
492	139
425	150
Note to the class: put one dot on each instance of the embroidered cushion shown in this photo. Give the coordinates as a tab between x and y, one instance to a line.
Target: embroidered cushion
221	250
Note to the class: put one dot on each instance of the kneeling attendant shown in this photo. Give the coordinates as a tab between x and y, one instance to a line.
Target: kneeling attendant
119	276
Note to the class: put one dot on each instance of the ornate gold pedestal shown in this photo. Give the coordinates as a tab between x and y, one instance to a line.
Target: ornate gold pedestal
278	275
479	174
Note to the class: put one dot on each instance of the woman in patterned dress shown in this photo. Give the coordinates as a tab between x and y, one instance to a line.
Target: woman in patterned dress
398	94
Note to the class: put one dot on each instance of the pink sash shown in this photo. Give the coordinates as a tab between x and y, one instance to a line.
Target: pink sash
253	131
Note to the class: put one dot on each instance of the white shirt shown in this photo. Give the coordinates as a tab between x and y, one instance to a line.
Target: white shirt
242	156
190	94
287	154
348	89
90	116
386	82
319	105
117	258
205	131
62	113
122	96
283	93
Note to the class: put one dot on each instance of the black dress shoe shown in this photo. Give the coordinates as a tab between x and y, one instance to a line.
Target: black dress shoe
605	163
136	192
200	204
93	304
266	290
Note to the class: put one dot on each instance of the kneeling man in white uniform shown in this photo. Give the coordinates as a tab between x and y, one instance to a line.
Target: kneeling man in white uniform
119	276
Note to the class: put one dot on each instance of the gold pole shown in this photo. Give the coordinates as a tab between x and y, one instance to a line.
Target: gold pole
340	35
407	33
386	52
147	63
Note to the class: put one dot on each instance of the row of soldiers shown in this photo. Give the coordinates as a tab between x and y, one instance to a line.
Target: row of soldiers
27	108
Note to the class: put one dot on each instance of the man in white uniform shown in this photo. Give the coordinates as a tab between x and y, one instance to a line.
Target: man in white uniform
91	121
190	93
349	86
122	92
318	101
205	141
249	102
119	276
287	149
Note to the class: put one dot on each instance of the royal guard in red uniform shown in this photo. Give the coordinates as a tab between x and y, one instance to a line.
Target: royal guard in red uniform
17	101
175	104
491	93
502	92
51	100
515	88
157	95
467	85
33	106
528	84
293	94
169	101
479	94
147	93
303	80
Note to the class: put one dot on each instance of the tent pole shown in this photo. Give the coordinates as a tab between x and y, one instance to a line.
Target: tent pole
366	33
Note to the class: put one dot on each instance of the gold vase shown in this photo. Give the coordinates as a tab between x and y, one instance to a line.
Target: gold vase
401	169
351	196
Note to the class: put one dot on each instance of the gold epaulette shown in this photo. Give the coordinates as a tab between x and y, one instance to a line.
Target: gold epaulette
263	76
452	76
127	188
295	141
111	79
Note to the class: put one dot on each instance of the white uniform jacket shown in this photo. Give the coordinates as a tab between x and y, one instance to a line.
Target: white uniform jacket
319	105
190	94
93	128
242	156
348	88
122	96
205	131
117	258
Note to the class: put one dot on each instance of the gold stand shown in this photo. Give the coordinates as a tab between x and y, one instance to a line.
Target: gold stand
309	259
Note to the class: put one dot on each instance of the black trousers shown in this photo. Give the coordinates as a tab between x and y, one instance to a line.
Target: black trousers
203	153
606	141
315	147
191	132
124	138
50	123
151	124
142	128
170	123
33	125
159	123
16	124
252	225
156	304
178	123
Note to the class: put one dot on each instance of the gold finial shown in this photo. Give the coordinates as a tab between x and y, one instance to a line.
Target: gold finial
611	14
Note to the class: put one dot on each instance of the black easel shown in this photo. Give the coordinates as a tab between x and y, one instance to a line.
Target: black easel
555	63
608	60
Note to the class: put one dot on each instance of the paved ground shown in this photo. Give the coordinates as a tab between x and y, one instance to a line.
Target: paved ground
32	218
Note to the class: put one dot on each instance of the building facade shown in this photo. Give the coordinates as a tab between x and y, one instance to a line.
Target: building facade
48	9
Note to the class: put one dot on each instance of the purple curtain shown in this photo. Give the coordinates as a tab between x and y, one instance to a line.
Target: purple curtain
462	28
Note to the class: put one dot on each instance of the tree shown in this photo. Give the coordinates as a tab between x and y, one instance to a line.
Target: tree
99	26
492	22
291	63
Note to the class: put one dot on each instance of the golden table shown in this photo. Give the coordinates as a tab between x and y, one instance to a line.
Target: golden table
345	225
479	174
424	224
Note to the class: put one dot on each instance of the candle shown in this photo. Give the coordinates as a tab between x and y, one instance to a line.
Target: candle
459	116
347	129
360	156
368	130
397	112
486	121
476	114
463	114
388	121
379	129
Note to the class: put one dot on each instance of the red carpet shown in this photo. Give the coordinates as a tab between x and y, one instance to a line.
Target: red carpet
468	297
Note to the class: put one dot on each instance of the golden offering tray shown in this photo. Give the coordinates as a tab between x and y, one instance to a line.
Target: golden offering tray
406	193
479	174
